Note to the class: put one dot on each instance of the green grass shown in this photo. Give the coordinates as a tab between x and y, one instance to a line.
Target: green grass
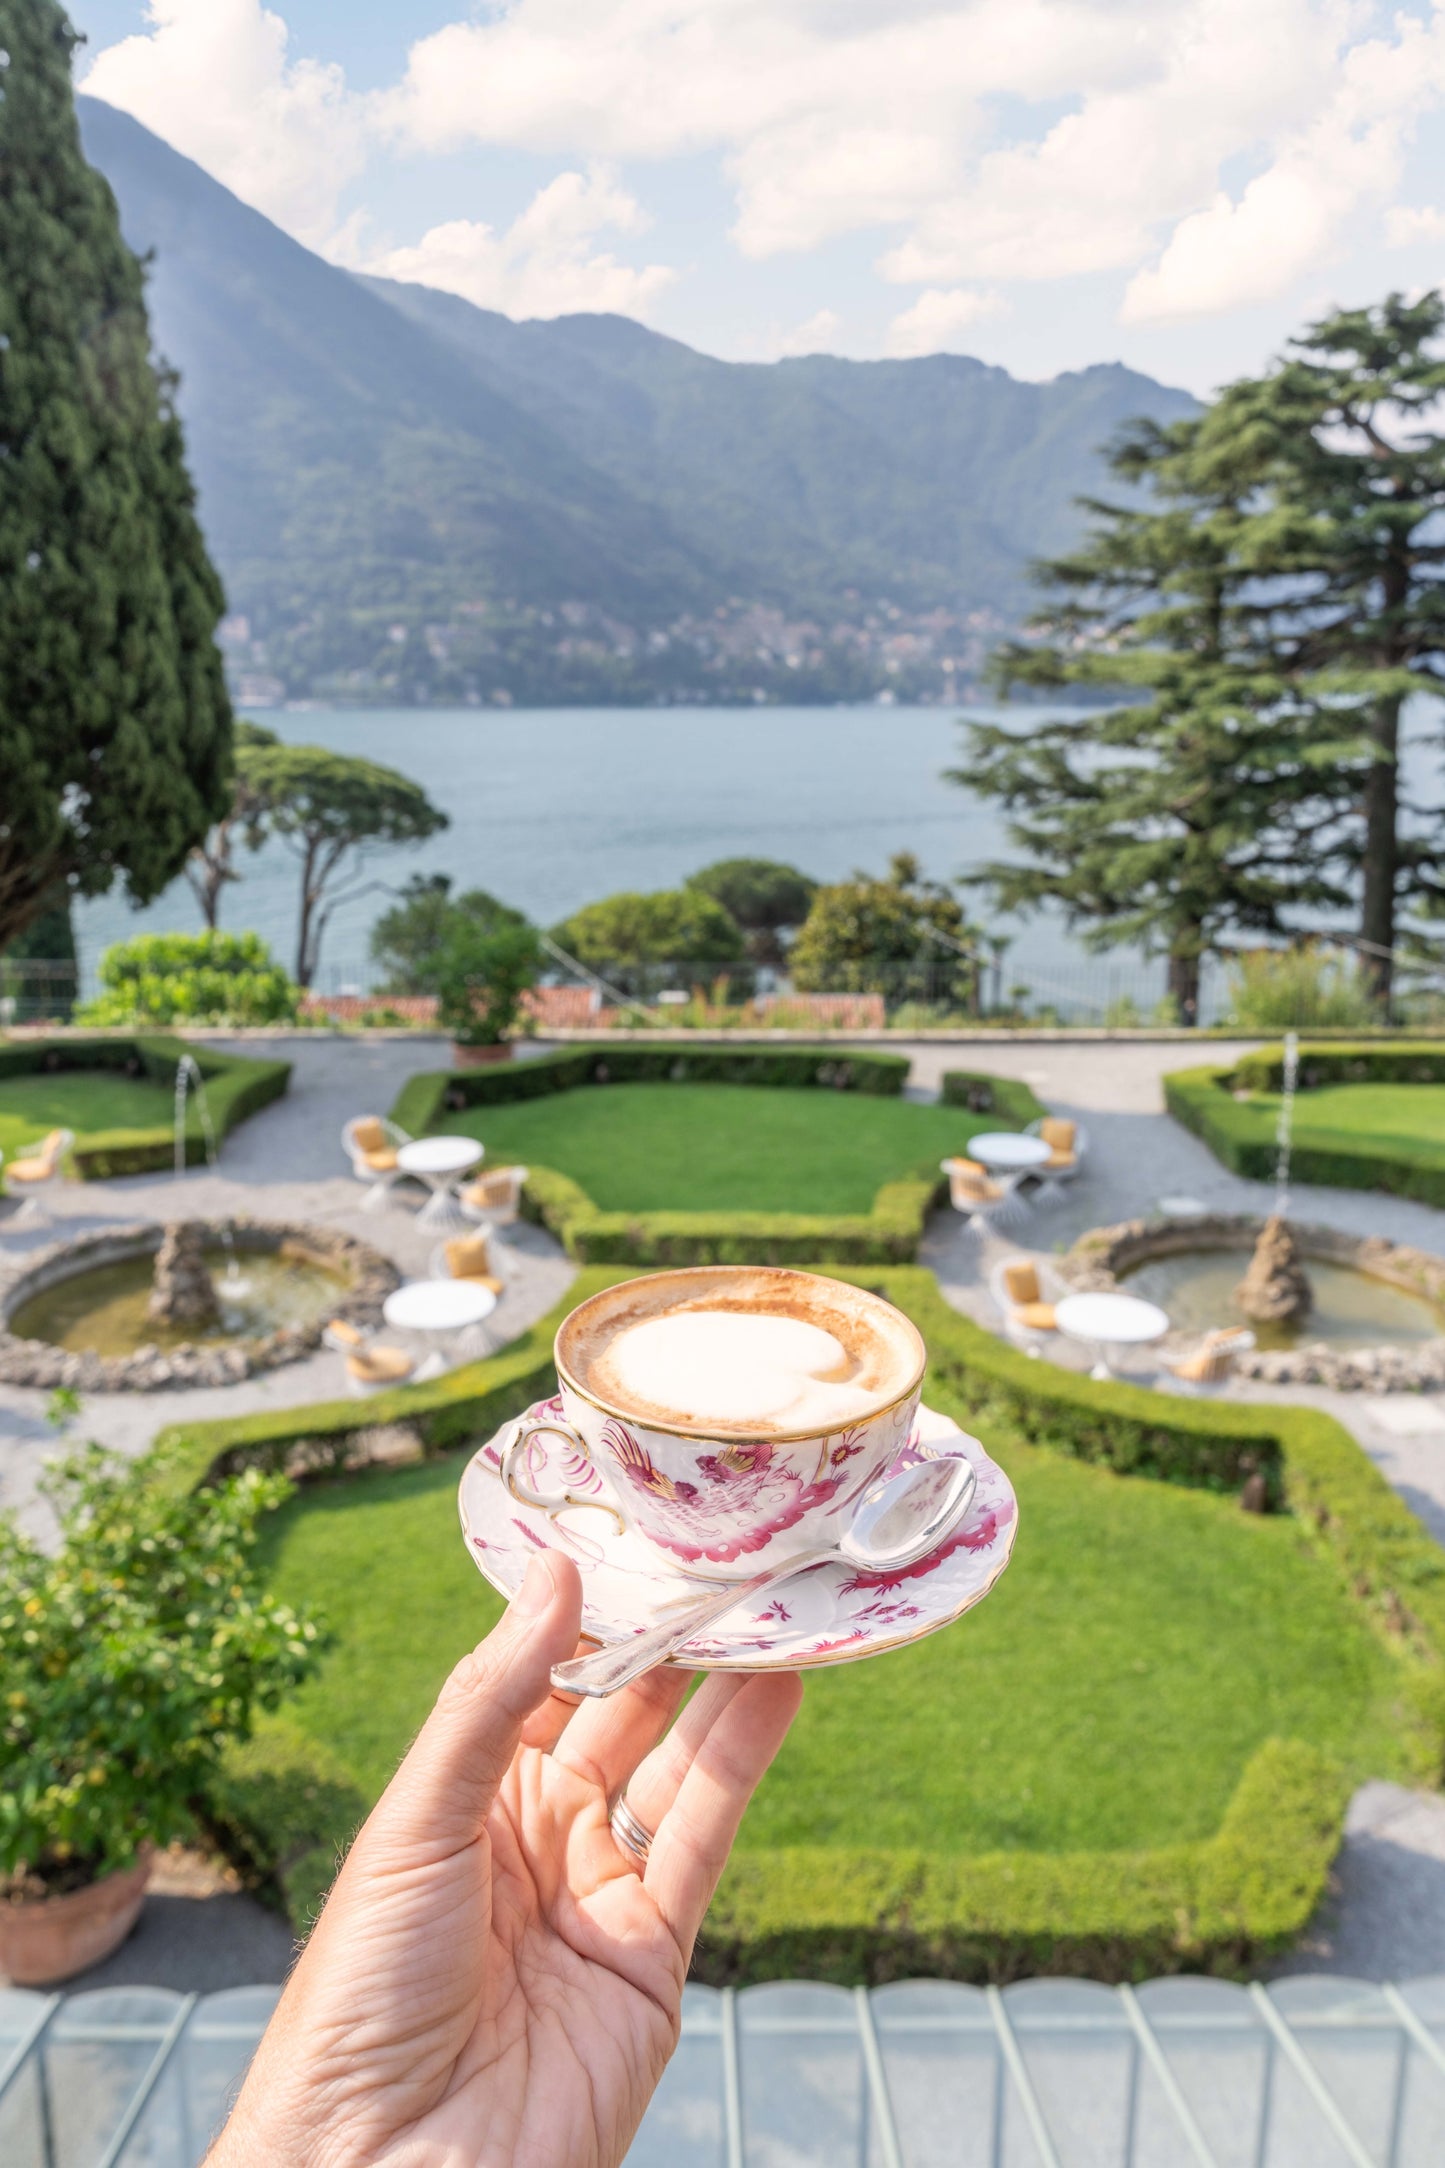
1397	1116
721	1147
1145	1641
87	1102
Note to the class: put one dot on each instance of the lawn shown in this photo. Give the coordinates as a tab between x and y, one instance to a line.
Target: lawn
1145	1641
85	1101
721	1147
1408	1117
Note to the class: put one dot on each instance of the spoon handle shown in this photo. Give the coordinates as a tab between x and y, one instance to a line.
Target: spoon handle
604	1671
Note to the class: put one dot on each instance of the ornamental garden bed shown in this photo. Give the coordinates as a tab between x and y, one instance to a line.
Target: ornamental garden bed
1133	1758
718	1155
1365	1116
118	1095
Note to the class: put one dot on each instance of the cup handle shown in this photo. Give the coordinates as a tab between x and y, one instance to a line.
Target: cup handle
514	1477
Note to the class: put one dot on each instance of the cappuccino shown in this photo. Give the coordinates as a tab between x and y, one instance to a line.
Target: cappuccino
741	1351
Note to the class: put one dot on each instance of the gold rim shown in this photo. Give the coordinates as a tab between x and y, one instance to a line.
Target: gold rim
695	1432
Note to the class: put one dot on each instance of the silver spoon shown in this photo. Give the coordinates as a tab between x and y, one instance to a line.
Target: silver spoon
899	1519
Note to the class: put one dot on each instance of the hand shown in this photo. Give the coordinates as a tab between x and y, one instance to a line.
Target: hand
493	1980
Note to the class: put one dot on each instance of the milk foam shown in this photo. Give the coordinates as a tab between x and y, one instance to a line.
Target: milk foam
739	1368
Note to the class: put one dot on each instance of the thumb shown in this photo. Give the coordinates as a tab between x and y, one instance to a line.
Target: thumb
443	1791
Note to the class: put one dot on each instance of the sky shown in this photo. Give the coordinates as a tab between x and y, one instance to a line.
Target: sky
1176	184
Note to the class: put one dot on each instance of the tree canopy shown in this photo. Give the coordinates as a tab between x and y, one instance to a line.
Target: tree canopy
410	936
763	896
903	937
115	726
329	808
671	925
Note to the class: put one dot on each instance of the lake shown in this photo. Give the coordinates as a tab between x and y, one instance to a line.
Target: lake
552	808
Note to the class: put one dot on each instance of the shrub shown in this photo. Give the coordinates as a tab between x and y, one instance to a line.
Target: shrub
673	925
1296	989
481	973
236	1088
195	978
133	1655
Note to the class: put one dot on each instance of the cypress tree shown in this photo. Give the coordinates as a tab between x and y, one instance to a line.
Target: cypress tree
115	726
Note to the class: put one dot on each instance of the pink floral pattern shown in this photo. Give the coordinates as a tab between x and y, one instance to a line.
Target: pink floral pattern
829	1614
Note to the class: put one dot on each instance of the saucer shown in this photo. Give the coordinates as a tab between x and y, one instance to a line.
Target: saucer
827	1614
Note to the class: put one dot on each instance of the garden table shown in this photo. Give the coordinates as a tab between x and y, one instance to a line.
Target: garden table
1105	1321
1010	1156
440	1162
451	1309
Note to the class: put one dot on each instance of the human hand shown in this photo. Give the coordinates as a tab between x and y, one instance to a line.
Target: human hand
493	1980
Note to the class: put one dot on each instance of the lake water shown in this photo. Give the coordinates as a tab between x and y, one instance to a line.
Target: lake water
552	808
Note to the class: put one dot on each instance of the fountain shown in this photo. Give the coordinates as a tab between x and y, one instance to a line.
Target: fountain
1275	1290
182	1290
189	1079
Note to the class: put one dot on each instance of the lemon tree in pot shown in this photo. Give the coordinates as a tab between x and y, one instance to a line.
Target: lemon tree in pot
133	1652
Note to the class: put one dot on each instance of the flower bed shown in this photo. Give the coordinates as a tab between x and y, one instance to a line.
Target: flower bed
1216	1902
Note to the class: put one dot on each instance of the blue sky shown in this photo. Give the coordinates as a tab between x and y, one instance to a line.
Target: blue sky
1045	183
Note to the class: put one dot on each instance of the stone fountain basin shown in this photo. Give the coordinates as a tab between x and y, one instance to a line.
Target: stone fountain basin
1103	1258
366	1279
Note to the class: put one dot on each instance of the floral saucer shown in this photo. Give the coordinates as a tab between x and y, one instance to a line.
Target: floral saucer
828	1614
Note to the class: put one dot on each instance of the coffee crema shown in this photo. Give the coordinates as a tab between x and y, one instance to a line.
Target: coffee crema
745	1351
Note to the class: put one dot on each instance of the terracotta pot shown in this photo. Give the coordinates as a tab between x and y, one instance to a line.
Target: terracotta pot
480	1057
44	1940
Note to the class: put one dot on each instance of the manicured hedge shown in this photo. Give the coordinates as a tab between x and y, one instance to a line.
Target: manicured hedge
983	1094
236	1088
1219	1905
889	1234
1242	1136
425	1098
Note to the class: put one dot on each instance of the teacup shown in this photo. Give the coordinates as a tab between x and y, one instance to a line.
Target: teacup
718	1499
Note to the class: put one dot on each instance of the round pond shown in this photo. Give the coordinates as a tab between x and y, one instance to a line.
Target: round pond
1350	1309
104	1310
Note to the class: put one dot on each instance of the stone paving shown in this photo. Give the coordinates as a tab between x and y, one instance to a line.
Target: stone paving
1386	1917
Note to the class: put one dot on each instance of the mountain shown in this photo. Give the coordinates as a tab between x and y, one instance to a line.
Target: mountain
411	498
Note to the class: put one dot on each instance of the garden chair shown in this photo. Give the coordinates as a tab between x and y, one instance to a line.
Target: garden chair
40	1167
371	1143
973	1191
369	1368
1024	1291
1211	1364
470	1257
495	1198
1068	1144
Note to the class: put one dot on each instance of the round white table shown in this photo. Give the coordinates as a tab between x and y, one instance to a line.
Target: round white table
1006	1151
445	1307
440	1162
1106	1321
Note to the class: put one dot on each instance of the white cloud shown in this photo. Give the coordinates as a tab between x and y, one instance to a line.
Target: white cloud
937	317
217	80
545	263
817	334
1408	223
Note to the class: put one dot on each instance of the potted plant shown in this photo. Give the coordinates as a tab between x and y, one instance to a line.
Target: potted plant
134	1652
481	973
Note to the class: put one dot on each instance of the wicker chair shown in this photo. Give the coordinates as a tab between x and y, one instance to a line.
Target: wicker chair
1024	1292
369	1368
371	1143
474	1257
973	1192
1068	1144
37	1170
1211	1364
495	1198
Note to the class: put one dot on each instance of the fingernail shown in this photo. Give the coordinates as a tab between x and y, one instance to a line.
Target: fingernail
536	1592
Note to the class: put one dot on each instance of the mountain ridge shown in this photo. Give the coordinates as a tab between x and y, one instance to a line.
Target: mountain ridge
411	498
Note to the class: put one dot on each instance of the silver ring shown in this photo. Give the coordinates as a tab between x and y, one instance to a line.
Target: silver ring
632	1835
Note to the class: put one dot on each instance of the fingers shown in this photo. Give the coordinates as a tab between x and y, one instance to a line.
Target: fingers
440	1796
605	1740
545	1726
657	1781
691	1845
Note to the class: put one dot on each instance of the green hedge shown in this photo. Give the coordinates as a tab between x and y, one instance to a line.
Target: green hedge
1219	1905
423	1099
983	1094
236	1088
889	1234
1242	1135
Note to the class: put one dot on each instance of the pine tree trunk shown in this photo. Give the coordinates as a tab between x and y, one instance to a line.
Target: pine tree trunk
1184	985
1377	911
